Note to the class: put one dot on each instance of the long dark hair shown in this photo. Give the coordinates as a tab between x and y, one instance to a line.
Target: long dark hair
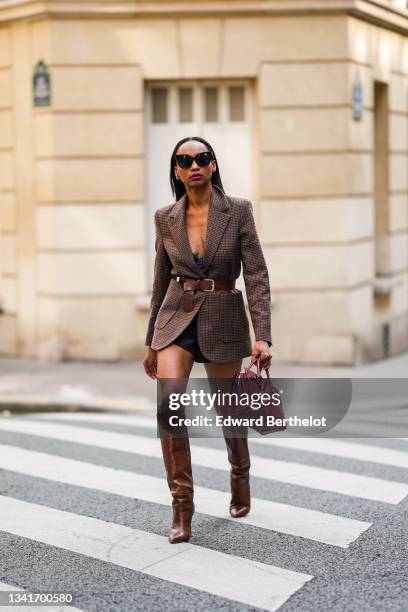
177	187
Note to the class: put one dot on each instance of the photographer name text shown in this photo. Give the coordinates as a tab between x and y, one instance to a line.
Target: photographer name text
231	421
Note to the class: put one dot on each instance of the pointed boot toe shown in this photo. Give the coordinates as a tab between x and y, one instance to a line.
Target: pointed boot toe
239	511
179	534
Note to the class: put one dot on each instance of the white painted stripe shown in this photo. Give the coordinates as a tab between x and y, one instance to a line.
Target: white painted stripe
144	422
387	416
339	448
236	578
310	524
348	450
368	430
298	474
22	608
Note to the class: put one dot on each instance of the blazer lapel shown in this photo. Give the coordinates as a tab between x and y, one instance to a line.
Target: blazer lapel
178	231
218	219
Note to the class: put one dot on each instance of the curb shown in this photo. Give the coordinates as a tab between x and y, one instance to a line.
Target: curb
42	403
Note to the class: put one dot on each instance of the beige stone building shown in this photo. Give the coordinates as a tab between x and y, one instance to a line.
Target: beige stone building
306	104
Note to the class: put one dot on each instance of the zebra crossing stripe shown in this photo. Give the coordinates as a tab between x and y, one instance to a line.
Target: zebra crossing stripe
145	422
339	448
283	518
235	578
347	450
335	481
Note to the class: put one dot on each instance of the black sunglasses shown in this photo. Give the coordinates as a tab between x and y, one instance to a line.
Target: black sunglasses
202	159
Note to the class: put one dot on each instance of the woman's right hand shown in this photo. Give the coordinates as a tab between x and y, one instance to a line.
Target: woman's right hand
150	363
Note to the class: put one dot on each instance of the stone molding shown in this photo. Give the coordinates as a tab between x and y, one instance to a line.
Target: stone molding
378	12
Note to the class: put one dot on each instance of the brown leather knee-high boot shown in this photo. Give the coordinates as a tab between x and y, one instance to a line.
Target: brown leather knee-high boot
238	456
177	461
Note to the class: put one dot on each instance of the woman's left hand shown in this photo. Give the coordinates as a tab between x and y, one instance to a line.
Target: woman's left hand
261	349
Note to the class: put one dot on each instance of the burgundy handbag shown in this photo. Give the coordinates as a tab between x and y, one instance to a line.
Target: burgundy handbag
249	382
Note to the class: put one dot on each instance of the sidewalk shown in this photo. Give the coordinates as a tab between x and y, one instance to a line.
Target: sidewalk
29	384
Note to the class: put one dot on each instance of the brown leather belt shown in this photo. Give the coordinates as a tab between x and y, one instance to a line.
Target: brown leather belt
200	284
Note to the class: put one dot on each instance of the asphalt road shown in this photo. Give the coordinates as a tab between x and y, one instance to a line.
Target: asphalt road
85	508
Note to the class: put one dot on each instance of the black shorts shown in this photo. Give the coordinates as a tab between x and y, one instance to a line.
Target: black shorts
188	339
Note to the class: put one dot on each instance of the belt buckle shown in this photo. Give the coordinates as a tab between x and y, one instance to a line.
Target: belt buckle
212	287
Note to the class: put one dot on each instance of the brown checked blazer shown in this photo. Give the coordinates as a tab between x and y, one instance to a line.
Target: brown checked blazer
223	326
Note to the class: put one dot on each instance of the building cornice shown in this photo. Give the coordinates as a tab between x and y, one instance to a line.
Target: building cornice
373	11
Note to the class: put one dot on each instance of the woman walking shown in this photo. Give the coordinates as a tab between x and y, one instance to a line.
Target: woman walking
196	312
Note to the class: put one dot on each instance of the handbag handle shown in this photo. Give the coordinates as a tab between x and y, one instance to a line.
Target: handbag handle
248	373
259	367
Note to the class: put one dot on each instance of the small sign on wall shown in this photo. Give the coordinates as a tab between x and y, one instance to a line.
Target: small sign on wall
41	85
357	97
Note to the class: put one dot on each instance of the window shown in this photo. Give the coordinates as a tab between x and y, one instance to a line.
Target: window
185	104
210	104
159	105
236	103
381	177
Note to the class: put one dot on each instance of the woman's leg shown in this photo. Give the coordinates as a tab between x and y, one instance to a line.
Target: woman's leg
237	447
175	363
